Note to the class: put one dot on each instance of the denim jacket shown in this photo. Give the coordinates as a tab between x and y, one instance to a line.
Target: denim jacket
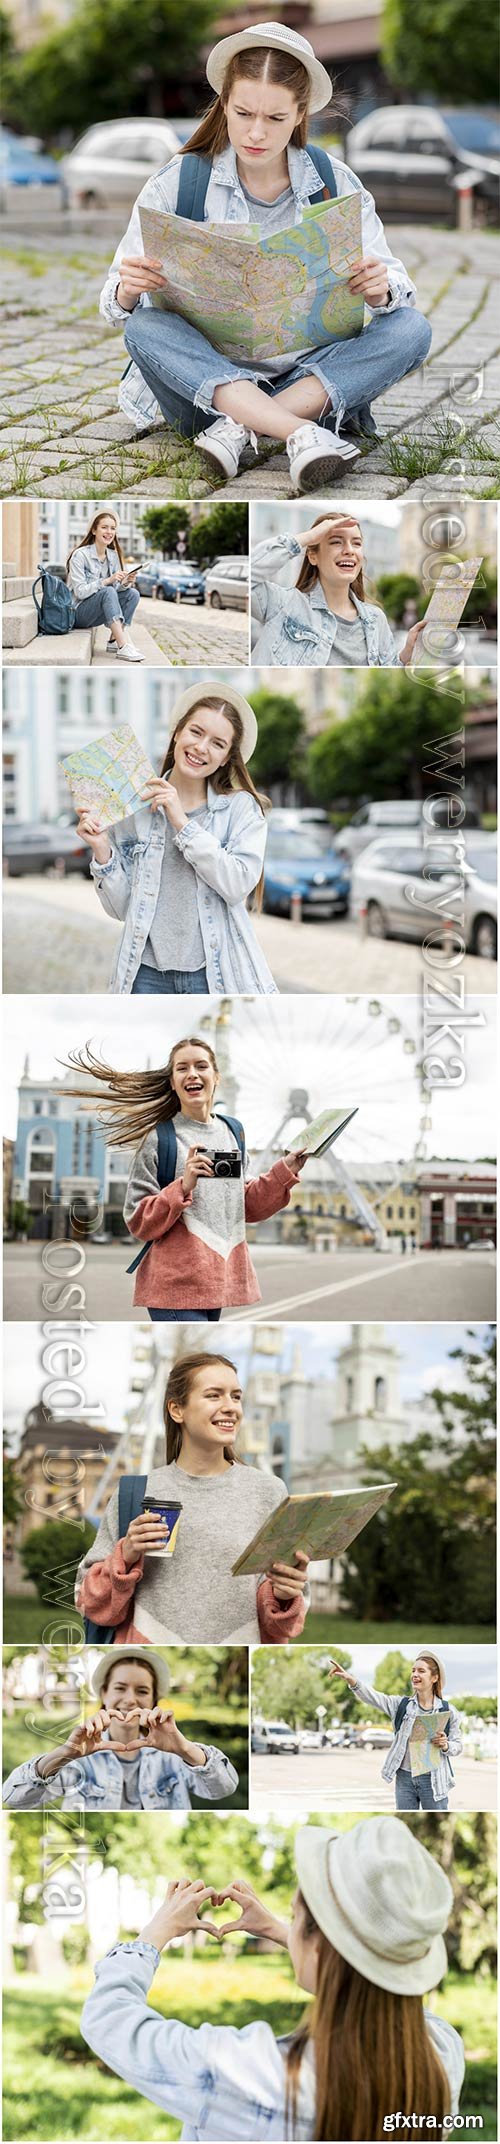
227	856
225	203
443	1776
165	1781
84	570
296	626
223	2082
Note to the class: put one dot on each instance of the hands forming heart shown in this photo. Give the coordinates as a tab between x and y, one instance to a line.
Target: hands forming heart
185	1900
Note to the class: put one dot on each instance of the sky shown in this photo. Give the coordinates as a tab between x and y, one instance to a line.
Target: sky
425	1352
348	1051
470	1669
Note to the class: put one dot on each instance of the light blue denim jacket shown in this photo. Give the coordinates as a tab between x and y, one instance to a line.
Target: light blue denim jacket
225	203
227	856
95	1782
84	570
296	626
443	1777
224	2083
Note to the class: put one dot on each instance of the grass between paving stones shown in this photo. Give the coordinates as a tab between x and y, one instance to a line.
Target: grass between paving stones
65	2091
413	456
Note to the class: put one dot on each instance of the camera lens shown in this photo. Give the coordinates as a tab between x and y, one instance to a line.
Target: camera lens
222	1168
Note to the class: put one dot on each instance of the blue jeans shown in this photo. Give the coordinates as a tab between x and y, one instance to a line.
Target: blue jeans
105	604
416	1793
184	1317
169	982
182	369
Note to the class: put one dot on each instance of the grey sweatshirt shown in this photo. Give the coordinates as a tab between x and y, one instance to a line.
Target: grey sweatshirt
191	1597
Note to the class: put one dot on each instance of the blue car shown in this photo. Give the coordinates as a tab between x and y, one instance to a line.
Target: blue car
303	859
22	166
174	579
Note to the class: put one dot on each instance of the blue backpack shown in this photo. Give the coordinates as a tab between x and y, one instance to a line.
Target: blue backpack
167	1158
55	613
403	1708
130	1494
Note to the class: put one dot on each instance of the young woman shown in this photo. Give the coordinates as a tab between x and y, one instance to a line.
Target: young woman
131	1755
365	1940
425	1790
180	873
324	618
101	585
256	158
196	1262
191	1595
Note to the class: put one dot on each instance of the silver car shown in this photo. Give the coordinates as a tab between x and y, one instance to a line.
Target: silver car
387	816
390	896
108	167
226	584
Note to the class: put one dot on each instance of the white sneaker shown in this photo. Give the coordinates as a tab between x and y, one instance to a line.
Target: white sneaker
129	653
111	646
317	458
223	445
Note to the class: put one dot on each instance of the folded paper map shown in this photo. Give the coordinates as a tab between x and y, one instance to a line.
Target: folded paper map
444	611
425	1754
322	1525
107	776
259	298
324	1130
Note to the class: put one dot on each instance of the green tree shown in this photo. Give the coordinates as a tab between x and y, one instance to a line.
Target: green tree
278	753
393	1675
13	1501
450	52
394	591
380	749
107	62
51	1555
221	533
164	524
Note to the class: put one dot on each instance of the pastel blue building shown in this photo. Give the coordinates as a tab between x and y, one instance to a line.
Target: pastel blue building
61	1162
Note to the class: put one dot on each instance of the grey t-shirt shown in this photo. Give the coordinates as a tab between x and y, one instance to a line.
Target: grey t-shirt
350	643
274	216
192	1597
130	1781
175	939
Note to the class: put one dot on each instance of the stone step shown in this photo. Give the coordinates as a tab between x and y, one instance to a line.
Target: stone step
64	650
16	585
149	649
19	623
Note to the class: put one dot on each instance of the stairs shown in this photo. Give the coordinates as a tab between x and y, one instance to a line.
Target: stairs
22	643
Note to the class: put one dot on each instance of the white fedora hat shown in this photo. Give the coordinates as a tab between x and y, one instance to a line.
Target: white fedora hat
197	695
428	1652
281	39
111	1656
381	1900
107	508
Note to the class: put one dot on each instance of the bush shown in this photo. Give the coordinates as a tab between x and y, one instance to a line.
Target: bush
51	1556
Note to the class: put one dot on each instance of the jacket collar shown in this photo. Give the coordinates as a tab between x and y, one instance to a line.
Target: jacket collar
304	179
318	601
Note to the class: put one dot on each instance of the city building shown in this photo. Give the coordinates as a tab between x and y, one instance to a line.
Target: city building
58	1467
458	1203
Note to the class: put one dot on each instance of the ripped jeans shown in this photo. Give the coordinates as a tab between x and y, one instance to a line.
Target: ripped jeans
183	370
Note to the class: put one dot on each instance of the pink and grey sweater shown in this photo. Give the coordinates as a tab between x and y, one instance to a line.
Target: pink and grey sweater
199	1258
192	1597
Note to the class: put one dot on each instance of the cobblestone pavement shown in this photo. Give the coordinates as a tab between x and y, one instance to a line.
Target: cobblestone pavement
61	433
54	929
192	633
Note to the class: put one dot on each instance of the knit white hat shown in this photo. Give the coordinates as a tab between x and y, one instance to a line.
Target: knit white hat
428	1652
381	1900
111	1656
282	39
196	695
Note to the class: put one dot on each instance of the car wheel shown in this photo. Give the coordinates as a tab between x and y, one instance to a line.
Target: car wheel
216	600
375	921
485	938
91	200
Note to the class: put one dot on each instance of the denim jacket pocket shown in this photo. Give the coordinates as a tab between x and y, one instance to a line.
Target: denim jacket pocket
296	642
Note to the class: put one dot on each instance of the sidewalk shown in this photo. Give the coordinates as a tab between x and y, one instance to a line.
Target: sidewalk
61	433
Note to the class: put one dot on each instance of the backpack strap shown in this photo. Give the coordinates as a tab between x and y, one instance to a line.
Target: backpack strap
167	1156
194	177
131	1490
321	160
38	607
234	1126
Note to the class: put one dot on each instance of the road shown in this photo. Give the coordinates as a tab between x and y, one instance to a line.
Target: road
351	1779
54	928
294	1283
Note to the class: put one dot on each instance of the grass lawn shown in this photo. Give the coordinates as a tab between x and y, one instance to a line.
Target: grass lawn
230	1732
61	2092
26	1622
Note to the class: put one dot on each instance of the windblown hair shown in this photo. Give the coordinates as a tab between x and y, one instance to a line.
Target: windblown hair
260	63
372	2053
178	1389
90	538
134	1657
233	774
309	571
131	1104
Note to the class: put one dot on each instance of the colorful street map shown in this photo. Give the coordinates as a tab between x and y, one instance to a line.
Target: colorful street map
107	776
323	1526
425	1754
259	298
444	611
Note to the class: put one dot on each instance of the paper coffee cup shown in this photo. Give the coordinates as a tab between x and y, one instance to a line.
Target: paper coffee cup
163	1508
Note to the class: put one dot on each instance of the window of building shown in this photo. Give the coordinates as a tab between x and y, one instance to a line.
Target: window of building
63	702
388	1213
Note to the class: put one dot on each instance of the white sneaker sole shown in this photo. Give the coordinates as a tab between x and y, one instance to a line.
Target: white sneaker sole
216	461
323	470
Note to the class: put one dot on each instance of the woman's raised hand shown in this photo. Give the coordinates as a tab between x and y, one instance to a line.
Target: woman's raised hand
336	1669
145	1533
159	793
96	836
198	1164
321	529
295	1160
138	274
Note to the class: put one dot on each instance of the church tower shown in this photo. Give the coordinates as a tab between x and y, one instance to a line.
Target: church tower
368	1409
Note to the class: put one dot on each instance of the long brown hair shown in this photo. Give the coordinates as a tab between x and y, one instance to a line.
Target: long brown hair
437	1680
90	538
233	774
131	1104
178	1389
372	2053
261	62
309	571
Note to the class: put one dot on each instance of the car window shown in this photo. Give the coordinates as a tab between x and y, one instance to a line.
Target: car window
147	149
284	847
114	147
386	132
401	860
484	861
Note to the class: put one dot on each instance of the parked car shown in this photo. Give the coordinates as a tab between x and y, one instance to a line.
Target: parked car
410	158
32	847
311	1738
400	814
381	905
376	1737
227	584
172	582
23	165
304	860
111	162
275	1737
